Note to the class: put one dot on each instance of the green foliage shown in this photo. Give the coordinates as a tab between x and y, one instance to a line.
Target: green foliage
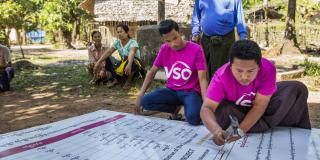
60	14
312	69
19	14
247	4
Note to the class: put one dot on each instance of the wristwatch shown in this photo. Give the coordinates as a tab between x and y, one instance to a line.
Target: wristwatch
240	132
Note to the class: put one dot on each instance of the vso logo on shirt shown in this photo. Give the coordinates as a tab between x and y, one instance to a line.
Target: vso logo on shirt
179	72
246	99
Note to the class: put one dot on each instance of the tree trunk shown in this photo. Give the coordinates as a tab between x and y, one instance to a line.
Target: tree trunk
290	32
23	37
290	44
76	36
67	35
161	10
265	4
19	39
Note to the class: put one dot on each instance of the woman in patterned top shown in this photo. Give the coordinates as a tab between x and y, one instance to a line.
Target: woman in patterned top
95	51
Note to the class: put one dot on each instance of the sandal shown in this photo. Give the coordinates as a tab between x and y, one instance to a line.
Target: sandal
178	117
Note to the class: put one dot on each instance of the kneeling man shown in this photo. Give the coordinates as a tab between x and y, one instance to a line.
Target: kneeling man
246	88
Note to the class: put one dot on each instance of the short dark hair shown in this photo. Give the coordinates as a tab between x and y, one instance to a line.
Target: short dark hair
125	28
94	32
168	25
245	50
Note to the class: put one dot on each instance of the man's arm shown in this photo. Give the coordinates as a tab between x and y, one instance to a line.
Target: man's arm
146	83
131	55
240	21
195	22
259	106
202	74
209	120
104	57
90	56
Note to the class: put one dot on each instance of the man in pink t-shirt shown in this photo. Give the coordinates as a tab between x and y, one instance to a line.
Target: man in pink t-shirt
185	68
246	88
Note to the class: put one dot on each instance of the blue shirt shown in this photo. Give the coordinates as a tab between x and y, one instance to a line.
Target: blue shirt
218	17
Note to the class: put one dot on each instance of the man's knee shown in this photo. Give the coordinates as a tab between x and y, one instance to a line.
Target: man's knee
10	72
146	101
193	118
302	88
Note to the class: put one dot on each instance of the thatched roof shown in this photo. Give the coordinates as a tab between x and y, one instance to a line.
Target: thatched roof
137	10
88	5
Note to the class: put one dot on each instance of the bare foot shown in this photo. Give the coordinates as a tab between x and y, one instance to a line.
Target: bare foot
126	86
113	83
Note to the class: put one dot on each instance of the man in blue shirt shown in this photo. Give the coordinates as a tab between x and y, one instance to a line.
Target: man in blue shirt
213	23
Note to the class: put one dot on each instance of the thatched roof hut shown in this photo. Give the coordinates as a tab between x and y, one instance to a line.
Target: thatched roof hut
139	11
134	13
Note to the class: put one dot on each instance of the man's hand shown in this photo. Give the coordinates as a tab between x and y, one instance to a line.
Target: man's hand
127	70
218	137
137	108
232	138
102	74
196	38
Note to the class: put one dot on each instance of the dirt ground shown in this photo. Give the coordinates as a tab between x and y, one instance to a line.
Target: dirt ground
22	109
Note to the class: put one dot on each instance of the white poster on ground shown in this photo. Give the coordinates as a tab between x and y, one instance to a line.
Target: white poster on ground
108	135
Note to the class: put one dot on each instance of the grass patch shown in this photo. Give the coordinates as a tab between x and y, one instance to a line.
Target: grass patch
47	59
69	81
52	77
312	69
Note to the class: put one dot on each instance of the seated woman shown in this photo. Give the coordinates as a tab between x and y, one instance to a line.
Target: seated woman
95	52
130	57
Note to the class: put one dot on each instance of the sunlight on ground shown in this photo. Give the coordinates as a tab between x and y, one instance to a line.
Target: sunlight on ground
42	95
38	109
81	100
10	105
24	101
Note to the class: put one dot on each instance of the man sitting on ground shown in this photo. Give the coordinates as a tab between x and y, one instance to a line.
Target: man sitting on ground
6	70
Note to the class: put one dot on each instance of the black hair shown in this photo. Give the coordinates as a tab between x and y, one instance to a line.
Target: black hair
94	32
245	50
167	26
125	28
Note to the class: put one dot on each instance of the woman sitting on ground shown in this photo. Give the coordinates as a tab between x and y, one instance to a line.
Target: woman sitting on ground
130	57
95	51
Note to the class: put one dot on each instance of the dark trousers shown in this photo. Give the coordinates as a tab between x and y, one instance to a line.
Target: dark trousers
167	100
6	75
136	68
288	107
216	50
109	67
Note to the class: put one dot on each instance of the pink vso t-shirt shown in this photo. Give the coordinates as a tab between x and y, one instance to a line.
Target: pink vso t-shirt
182	66
223	85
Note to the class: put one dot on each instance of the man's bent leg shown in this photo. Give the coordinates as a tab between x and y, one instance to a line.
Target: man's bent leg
288	106
192	104
227	108
162	99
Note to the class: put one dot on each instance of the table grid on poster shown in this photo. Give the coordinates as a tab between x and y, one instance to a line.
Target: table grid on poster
143	138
